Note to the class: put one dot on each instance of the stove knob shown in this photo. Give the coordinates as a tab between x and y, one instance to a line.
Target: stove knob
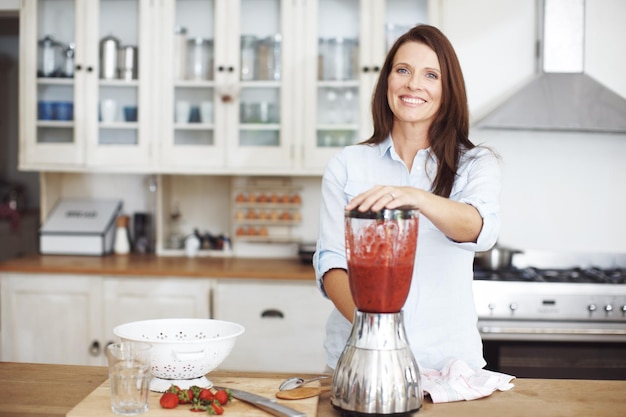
513	306
591	308
608	308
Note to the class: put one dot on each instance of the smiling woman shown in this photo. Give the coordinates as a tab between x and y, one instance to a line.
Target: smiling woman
419	157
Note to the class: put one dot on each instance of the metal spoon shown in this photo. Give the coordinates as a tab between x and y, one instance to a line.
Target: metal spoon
296	381
301	393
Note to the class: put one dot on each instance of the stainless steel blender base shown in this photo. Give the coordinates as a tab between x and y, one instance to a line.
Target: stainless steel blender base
345	413
377	374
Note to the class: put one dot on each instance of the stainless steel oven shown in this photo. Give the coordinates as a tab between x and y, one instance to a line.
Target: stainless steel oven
549	323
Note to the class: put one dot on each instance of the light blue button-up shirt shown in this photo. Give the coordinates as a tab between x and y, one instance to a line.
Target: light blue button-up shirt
439	314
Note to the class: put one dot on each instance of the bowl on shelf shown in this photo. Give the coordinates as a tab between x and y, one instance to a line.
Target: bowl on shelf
183	350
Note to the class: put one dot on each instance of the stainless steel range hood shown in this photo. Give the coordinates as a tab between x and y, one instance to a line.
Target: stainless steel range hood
561	97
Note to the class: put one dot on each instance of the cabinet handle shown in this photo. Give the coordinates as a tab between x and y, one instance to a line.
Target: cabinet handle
220	68
89	69
376	68
79	67
272	313
231	69
366	69
94	349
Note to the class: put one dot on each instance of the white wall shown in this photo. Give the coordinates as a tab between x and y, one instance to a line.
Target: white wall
562	192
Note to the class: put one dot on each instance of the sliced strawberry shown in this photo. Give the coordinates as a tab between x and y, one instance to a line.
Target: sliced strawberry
216	408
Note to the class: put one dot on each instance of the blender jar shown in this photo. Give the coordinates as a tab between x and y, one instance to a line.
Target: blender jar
380	249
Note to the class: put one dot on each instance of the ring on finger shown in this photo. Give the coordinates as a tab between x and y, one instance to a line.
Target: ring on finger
393	196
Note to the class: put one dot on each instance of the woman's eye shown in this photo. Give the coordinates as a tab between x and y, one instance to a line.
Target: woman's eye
432	75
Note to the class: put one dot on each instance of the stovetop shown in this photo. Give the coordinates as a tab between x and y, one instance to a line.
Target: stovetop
592	275
572	294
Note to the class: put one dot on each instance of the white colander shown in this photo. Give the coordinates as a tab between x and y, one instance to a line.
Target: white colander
183	350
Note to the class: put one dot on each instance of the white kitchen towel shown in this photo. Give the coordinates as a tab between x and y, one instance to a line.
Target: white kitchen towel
457	381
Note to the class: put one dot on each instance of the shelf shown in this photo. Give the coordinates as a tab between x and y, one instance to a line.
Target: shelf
55	123
55	81
118	83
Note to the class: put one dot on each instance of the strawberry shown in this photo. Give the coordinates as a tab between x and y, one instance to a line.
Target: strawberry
216	408
185	396
206	395
174	389
222	396
168	400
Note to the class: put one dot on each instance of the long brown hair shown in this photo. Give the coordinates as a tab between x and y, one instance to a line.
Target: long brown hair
448	134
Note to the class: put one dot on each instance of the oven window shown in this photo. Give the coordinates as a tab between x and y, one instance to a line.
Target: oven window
561	360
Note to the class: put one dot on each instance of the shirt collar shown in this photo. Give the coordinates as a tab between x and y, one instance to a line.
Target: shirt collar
386	148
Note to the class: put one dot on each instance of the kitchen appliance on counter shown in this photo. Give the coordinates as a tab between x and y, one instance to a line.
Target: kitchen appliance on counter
553	322
80	227
377	374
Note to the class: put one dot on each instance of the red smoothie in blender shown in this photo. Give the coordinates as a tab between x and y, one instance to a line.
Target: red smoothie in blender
381	254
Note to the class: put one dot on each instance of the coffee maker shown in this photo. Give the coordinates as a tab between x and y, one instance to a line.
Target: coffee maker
377	374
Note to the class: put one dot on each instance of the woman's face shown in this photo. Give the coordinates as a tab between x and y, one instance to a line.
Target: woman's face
414	84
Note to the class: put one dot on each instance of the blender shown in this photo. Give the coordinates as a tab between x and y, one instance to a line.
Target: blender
377	374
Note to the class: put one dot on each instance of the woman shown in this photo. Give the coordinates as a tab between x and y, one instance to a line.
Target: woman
419	156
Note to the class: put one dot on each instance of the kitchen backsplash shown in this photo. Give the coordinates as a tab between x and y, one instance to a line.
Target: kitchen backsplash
562	192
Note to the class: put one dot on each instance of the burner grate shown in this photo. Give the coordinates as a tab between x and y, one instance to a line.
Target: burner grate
572	275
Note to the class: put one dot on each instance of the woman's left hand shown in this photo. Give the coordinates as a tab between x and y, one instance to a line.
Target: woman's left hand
385	196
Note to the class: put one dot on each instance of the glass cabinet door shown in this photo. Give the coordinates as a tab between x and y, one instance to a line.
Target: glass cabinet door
49	84
332	54
118	97
264	38
192	138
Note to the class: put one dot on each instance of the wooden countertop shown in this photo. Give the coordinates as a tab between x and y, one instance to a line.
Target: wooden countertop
35	390
163	266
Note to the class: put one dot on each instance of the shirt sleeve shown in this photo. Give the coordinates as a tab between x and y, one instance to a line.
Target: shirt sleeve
479	184
330	249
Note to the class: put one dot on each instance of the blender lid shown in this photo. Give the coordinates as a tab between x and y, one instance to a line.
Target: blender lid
384	214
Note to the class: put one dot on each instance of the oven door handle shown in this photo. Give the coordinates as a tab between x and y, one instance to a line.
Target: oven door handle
535	330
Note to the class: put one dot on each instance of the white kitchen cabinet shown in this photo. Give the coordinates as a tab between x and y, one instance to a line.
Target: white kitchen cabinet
69	319
247	89
60	127
284	321
51	319
288	117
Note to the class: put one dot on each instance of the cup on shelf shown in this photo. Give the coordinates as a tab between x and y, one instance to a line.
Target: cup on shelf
194	114
63	110
206	112
130	113
129	376
108	109
183	109
45	110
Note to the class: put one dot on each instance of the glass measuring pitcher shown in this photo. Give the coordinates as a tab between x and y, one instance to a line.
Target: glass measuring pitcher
380	249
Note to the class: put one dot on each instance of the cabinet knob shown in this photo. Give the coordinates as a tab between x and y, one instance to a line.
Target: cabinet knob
231	69
220	68
94	349
90	69
272	313
366	69
376	68
79	67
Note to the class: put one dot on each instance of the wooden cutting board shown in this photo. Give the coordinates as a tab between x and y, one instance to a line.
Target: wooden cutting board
98	403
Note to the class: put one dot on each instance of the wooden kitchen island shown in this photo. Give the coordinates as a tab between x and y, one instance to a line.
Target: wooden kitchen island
37	390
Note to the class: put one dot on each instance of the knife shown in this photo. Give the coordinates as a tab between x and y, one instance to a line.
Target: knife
266	404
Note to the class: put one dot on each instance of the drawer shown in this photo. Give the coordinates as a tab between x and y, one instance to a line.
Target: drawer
284	320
